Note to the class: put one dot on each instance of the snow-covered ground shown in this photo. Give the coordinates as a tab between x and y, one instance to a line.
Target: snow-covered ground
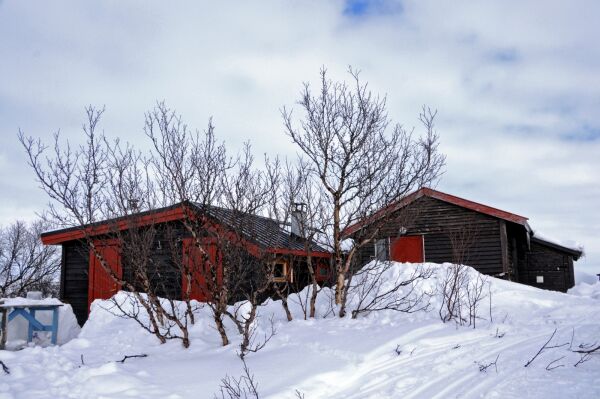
381	355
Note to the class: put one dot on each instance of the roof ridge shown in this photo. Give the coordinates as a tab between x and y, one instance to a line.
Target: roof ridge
443	194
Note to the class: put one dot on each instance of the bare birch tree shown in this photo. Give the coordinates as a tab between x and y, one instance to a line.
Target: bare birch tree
225	193
301	204
461	293
26	264
109	181
362	163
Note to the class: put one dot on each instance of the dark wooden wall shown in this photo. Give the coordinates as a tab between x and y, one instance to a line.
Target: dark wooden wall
554	265
499	248
162	269
517	244
74	275
438	221
162	272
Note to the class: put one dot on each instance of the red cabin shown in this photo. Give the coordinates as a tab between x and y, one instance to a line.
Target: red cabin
84	279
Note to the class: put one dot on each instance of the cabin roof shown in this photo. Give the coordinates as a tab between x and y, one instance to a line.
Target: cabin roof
576	253
452	199
266	232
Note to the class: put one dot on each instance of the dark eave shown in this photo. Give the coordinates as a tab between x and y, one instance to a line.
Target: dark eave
571	251
159	215
265	232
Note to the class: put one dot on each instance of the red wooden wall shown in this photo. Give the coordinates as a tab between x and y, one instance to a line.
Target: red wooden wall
194	261
100	284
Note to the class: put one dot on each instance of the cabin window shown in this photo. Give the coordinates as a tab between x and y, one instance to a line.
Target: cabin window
323	271
539	279
382	249
281	271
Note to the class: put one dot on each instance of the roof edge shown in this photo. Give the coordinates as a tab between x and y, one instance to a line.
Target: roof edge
168	213
432	193
575	252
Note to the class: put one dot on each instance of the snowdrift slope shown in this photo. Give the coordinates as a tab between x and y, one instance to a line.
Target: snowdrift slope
332	357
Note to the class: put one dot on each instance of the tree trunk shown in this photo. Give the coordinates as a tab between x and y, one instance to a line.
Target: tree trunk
221	329
284	303
339	288
313	298
245	346
344	295
190	311
339	267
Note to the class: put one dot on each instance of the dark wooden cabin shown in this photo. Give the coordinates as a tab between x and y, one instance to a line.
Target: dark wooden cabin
431	226
83	279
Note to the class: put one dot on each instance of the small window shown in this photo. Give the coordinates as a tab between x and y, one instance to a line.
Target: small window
381	249
281	272
323	271
539	279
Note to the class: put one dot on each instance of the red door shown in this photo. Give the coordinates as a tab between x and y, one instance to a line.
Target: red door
200	269
407	249
101	285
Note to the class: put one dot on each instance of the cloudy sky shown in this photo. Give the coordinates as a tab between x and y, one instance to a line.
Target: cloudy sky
517	85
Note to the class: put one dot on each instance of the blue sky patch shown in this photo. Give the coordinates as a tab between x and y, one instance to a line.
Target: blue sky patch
586	133
505	55
360	8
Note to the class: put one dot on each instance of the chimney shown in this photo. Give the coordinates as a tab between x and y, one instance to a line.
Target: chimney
298	219
133	204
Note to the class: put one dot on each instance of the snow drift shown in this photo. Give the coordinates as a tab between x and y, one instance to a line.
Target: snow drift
384	354
586	290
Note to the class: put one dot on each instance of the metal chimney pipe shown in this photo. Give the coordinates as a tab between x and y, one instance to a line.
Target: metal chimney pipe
298	219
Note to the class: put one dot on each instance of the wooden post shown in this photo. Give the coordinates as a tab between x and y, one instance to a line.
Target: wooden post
4	328
515	256
54	325
504	249
30	329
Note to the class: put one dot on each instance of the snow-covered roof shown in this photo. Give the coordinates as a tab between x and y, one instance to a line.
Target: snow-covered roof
569	245
28	302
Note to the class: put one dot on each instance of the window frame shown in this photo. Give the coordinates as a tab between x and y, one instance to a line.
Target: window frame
288	275
384	246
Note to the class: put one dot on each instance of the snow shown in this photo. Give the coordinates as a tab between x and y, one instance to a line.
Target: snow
583	277
586	290
329	357
18	301
17	327
347	244
570	244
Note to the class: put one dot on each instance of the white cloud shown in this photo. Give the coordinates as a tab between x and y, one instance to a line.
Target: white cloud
516	85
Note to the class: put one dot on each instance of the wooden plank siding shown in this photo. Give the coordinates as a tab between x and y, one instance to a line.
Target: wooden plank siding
437	220
517	248
75	273
161	269
75	284
556	268
500	246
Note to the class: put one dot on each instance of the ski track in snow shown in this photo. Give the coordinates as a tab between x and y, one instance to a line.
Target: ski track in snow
372	379
330	358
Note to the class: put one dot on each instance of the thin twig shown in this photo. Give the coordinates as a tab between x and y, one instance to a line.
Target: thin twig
4	367
549	367
483	367
398	350
130	357
544	347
